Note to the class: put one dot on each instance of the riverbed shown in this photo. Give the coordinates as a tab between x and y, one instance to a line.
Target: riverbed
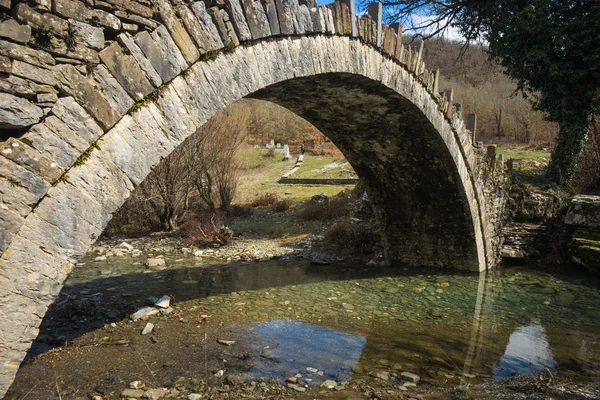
276	328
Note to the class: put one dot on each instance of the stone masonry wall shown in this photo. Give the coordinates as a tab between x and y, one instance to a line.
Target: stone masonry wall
93	94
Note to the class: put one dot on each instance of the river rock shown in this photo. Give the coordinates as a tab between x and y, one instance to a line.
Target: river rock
411	377
163	302
136	385
156	263
565	299
195	396
125	245
144	313
329	384
383	375
296	387
155	394
148	328
132	394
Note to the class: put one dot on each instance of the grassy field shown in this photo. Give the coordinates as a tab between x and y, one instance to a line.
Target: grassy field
261	173
531	159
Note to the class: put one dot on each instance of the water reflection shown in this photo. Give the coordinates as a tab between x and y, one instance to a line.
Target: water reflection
307	351
527	353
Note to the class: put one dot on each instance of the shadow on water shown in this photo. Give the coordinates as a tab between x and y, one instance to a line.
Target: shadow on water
83	306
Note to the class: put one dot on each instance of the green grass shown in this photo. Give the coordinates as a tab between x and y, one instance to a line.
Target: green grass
316	167
529	157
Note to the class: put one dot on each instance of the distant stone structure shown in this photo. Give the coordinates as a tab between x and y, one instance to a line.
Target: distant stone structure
95	94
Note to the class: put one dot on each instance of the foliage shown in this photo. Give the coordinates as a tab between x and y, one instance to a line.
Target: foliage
44	35
357	239
549	47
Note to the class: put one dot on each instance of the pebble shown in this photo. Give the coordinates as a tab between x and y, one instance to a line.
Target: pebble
195	396
329	384
411	377
136	385
226	342
132	393
296	387
383	375
155	394
148	328
100	258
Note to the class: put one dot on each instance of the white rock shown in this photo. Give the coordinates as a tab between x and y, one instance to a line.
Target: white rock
126	245
163	302
144	313
195	396
148	328
411	377
198	253
136	385
100	258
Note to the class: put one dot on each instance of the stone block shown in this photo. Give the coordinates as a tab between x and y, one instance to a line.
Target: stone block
11	29
389	41
71	82
31	159
72	114
195	29
132	7
112	90
5	4
271	11
87	35
262	19
17	113
286	23
216	40
128	42
151	24
33	73
59	47
10	223
107	20
53	147
177	123
131	28
26	54
71	9
23	178
236	12
180	36
26	14
42	5
156	53
251	19
127	71
174	62
101	179
318	19
46	98
5	65
329	21
134	145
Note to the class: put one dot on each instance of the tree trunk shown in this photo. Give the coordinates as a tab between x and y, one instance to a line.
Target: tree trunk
570	143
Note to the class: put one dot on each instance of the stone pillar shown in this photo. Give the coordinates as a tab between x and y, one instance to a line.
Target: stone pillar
419	57
350	4
436	81
375	12
449	95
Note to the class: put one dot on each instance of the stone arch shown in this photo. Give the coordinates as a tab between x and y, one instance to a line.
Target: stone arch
73	212
134	97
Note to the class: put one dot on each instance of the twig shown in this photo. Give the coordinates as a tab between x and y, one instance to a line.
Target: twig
205	362
149	370
57	388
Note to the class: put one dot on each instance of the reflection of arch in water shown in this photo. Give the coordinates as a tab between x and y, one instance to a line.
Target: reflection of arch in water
528	352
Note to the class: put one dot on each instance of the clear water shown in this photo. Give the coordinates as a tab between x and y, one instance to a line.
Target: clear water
341	320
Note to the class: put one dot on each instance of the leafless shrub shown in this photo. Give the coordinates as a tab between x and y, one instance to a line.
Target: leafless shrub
329	209
205	228
282	205
265	199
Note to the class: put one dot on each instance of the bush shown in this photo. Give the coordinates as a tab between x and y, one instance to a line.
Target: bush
282	205
270	153
240	211
265	199
328	209
205	228
357	239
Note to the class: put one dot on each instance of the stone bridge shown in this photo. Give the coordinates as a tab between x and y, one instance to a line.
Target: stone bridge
95	93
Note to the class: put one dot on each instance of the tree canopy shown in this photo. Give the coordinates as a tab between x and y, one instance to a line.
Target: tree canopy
550	47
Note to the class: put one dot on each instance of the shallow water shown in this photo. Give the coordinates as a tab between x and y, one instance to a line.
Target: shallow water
340	321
